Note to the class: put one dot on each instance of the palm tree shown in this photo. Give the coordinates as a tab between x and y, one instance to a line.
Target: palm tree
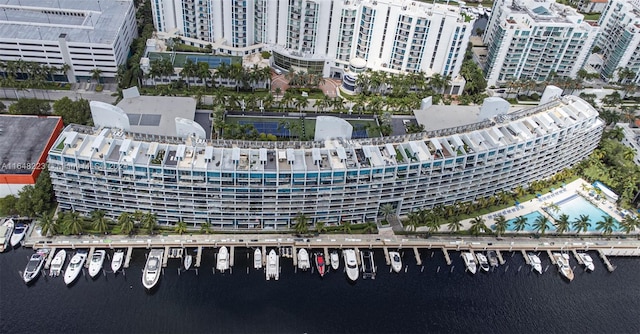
433	223
629	224
606	225
541	224
100	222
520	223
386	210
320	227
346	226
369	227
150	222
302	223
48	226
73	223
181	227
413	220
562	223
455	225
205	227
581	224
478	226
501	225
95	74
125	221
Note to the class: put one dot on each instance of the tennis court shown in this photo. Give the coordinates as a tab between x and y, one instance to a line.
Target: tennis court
267	127
214	62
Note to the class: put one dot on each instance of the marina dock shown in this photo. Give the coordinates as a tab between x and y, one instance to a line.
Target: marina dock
604	258
575	255
526	258
128	256
417	255
387	260
446	256
500	259
50	257
553	259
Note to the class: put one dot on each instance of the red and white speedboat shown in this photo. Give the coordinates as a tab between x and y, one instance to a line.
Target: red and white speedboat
320	264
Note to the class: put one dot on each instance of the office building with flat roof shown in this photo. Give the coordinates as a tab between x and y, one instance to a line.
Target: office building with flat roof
85	35
265	185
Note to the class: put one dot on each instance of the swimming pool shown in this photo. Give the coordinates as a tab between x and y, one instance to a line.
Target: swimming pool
575	206
531	217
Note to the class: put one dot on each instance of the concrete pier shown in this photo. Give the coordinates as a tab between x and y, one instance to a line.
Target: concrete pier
579	259
86	263
52	254
198	257
387	259
294	254
553	259
416	253
231	255
264	256
446	256
327	259
127	257
165	256
608	264
358	257
524	255
500	259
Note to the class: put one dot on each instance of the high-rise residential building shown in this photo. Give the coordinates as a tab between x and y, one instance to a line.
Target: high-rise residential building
534	39
322	36
619	38
85	35
265	185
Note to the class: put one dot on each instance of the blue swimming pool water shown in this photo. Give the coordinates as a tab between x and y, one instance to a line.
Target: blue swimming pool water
575	206
531	217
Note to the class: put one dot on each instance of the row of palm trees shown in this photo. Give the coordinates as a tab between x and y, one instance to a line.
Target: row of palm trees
74	223
302	226
397	84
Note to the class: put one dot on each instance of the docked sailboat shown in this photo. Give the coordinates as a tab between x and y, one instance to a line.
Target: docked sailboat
351	264
55	267
493	258
534	262
34	265
97	260
116	261
587	261
396	261
222	263
482	261
303	259
6	230
273	266
152	268
335	260
562	261
469	262
75	266
18	234
368	265
320	264
188	260
257	258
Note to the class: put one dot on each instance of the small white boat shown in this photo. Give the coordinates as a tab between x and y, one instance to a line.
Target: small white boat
335	260
534	262
222	263
351	264
469	262
257	258
303	259
55	267
562	261
273	266
587	261
116	261
152	268
97	260
493	258
483	262
396	261
6	230
32	270
75	266
188	260
18	234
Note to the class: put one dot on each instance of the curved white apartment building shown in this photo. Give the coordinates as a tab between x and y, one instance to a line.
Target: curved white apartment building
236	184
323	35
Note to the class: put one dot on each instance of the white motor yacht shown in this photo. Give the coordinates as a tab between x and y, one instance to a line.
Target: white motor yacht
562	261
303	259
587	261
334	258
97	260
222	263
469	262
273	266
396	261
257	258
351	264
6	230
188	260
75	266
55	267
18	234
483	262
34	265
116	261
534	262
152	269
